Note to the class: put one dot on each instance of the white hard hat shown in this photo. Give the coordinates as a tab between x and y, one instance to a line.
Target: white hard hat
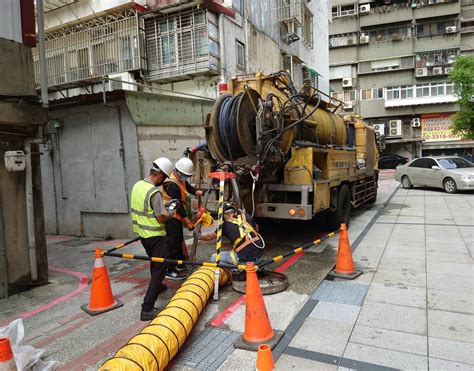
185	166
164	164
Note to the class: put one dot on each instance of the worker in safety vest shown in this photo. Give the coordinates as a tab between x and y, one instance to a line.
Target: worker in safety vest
242	231
178	187
149	215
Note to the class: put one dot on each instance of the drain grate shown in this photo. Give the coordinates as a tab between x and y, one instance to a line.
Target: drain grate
341	292
208	350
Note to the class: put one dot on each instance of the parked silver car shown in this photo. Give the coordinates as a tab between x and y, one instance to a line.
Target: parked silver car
450	173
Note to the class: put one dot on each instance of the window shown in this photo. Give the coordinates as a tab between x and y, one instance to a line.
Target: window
343	40
389	34
436	28
418	163
369	94
434	89
237	5
344	10
345	96
240	52
434	58
307	27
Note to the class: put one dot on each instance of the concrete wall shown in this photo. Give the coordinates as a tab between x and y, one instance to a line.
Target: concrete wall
16	65
88	173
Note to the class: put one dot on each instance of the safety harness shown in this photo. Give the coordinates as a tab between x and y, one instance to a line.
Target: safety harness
245	230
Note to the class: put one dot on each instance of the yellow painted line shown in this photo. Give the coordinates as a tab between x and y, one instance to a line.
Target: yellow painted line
128	256
298	250
278	258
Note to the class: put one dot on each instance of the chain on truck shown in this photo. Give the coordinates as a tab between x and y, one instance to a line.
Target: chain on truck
294	155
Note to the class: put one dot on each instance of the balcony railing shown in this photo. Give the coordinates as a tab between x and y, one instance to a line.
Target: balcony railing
88	50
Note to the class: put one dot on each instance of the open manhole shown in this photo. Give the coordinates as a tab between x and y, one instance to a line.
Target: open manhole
270	283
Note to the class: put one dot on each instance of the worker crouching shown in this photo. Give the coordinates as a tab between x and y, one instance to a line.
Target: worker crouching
242	231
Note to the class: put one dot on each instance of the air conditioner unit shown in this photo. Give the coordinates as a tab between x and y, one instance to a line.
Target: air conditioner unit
451	59
415	123
347	82
451	29
121	81
379	128
448	70
364	39
364	9
350	42
394	128
348	105
437	70
420	72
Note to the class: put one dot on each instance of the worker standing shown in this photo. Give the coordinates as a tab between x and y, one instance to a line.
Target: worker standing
148	217
178	187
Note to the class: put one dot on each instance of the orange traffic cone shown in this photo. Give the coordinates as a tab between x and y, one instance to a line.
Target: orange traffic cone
258	329
7	362
102	299
344	263
265	358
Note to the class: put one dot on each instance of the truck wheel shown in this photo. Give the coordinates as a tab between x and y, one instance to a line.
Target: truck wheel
342	213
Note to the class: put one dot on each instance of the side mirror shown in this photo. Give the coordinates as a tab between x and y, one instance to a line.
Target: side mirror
435	167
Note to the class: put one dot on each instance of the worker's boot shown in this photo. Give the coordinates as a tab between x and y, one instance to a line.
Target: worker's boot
149	315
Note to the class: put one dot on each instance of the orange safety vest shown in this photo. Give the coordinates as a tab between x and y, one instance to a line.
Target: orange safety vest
182	188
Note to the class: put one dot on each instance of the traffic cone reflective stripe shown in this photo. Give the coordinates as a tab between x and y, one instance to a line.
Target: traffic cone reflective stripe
7	362
102	299
344	262
265	358
257	324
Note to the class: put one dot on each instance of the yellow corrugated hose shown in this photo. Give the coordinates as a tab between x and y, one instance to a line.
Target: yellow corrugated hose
155	346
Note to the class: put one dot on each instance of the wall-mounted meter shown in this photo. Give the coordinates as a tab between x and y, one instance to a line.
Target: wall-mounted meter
15	160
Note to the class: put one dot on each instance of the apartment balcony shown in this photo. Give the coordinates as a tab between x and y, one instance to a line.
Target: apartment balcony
385	48
182	45
438	10
84	52
387	15
421	94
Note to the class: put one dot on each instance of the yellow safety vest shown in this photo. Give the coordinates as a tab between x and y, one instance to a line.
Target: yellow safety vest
143	218
245	229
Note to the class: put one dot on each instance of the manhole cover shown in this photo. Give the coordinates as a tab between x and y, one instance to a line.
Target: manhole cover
270	283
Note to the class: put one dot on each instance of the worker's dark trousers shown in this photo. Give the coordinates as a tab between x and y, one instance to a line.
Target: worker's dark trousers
174	232
155	247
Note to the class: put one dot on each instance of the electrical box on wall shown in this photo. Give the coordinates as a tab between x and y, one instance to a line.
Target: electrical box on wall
15	160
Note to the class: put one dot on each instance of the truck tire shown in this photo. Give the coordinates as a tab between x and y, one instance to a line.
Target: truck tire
342	213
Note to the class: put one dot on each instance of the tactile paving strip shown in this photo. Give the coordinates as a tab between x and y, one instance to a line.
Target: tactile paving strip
341	292
208	350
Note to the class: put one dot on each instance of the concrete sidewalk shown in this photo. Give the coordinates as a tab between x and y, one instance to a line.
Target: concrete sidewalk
413	306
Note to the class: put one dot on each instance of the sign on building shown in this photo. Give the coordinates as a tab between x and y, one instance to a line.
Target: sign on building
437	127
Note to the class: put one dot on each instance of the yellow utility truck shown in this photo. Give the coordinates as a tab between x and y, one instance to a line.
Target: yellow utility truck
293	154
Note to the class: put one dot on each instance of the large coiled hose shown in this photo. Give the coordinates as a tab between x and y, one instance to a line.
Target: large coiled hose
155	346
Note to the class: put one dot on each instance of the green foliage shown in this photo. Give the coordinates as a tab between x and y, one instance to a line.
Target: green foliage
462	76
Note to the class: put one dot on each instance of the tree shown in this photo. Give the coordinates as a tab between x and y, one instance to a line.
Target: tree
462	76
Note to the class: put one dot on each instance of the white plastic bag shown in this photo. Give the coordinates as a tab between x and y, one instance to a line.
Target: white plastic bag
26	356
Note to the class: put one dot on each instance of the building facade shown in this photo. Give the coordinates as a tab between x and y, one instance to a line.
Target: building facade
130	81
390	61
23	258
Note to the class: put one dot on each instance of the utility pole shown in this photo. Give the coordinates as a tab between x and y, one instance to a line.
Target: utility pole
42	53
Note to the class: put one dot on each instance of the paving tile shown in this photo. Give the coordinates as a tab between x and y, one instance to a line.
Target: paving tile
394	340
384	357
410	296
408	219
457	351
450	325
343	313
322	336
366	262
404	265
413	244
393	317
287	362
443	365
341	292
442	247
398	252
451	301
458	269
449	282
400	278
449	257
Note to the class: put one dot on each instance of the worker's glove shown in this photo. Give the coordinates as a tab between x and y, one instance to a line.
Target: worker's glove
201	192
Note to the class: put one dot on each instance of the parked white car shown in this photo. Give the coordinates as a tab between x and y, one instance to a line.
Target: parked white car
450	173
